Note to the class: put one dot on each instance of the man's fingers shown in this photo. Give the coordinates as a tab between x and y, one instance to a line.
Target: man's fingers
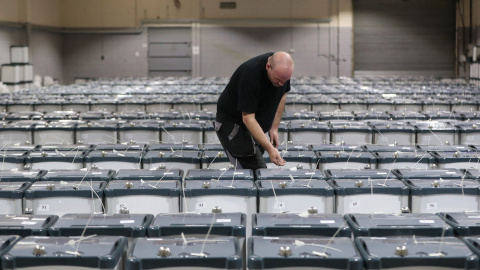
280	162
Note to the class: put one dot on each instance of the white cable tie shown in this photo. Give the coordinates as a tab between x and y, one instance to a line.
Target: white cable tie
185	242
199	255
436	254
72	242
304	214
320	254
301	243
78	254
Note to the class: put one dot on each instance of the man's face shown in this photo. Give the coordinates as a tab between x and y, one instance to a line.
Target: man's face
277	76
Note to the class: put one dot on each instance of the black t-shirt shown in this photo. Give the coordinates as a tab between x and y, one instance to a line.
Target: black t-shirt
250	91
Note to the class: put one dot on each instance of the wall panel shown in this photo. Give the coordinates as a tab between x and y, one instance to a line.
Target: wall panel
408	37
123	56
46	51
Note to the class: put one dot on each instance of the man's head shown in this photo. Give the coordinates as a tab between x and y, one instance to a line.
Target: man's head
279	68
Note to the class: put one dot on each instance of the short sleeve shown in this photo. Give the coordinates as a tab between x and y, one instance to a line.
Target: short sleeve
248	97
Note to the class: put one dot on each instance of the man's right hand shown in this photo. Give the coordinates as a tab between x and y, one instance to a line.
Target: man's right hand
257	133
275	157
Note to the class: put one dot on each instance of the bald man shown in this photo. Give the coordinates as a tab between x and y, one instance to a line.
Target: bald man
251	105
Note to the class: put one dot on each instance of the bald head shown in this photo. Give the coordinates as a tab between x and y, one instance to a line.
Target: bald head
279	68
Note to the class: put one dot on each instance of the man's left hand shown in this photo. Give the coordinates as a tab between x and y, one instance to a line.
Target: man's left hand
273	134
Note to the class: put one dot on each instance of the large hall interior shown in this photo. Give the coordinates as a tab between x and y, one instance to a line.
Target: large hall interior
110	150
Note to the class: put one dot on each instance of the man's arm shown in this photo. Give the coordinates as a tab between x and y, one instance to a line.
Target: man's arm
273	132
257	133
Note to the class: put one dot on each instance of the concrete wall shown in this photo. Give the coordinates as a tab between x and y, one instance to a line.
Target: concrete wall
96	55
313	47
318	32
46	54
315	31
9	36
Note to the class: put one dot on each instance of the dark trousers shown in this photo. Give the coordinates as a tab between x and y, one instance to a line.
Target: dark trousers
242	150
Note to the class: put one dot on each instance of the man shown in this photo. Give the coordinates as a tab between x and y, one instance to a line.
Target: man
251	105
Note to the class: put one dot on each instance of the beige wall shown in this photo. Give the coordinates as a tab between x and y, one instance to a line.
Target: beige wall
13	11
44	12
40	12
267	9
463	7
131	13
98	13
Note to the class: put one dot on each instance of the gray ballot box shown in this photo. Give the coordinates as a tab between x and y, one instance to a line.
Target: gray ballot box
152	175
78	175
288	174
363	196
13	160
114	160
125	196
457	160
464	223
184	253
278	196
190	132
297	253
346	160
215	160
469	132
351	132
26	225
472	174
416	253
49	160
407	160
141	131
200	225
11	197
66	253
405	224
18	132
98	132
178	159
393	132
309	132
350	174
59	197
220	174
433	174
61	131
195	225
127	225
300	225
436	133
444	195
